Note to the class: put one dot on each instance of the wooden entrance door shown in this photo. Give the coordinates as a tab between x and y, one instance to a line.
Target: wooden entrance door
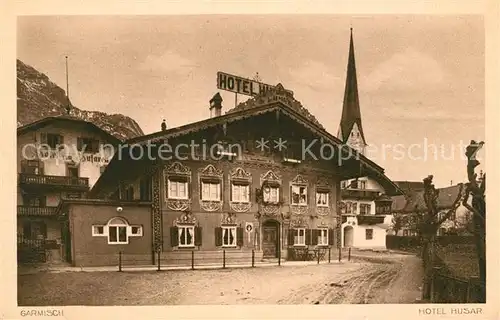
270	239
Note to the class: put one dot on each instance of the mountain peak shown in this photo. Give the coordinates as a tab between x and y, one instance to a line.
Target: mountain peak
38	98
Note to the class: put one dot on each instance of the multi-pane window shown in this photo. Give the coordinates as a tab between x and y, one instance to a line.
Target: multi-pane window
177	189
117	234
299	237
210	191
322	237
365	208
186	236
351	207
322	199
240	193
271	194
299	195
229	236
369	234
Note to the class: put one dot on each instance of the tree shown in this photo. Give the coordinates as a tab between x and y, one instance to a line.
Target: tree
475	191
429	221
397	222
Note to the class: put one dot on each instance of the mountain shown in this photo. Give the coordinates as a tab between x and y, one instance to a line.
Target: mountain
38	97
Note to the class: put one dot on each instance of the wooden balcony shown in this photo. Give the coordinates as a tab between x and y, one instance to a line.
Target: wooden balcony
361	194
36	211
26	179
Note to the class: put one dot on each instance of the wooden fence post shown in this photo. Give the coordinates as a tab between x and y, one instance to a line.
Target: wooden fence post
349	257
318	255
119	261
253	258
192	259
158	260
223	259
434	295
329	254
340	254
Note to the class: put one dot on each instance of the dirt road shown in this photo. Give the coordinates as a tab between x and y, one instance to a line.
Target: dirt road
371	278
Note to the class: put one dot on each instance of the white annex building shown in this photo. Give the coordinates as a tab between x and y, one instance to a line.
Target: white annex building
365	207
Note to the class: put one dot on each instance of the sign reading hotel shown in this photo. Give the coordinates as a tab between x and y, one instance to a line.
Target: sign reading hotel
241	85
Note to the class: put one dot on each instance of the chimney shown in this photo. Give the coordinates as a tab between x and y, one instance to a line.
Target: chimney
215	105
164	125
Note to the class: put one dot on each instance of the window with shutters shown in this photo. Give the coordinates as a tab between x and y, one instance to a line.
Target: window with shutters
186	236
322	237
299	195
229	236
369	234
299	237
240	192
322	198
211	190
88	145
271	194
145	189
177	188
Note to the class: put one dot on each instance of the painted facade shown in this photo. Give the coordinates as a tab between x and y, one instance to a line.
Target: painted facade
53	162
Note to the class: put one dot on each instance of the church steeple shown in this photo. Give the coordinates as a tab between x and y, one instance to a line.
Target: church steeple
350	129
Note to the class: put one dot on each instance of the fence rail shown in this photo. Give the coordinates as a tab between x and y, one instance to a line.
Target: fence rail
218	259
449	289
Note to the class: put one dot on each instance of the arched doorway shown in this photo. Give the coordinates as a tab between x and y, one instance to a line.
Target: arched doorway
348	236
270	238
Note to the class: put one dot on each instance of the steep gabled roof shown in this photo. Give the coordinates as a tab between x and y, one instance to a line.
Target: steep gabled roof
271	101
414	200
351	112
68	119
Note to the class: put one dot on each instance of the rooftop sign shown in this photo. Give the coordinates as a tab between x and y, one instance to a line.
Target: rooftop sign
241	85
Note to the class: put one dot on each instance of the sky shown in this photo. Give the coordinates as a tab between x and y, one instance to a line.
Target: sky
420	78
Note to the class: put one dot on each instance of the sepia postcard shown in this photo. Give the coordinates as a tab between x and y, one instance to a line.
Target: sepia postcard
257	160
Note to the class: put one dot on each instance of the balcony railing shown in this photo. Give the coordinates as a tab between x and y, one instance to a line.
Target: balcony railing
359	194
25	178
36	211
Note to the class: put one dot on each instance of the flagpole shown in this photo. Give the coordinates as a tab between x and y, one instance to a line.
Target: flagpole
67	86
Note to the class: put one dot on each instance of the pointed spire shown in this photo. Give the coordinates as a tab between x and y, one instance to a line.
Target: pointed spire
351	113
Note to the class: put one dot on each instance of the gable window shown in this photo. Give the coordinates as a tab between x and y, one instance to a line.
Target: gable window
323	237
299	237
186	236
52	140
177	188
211	190
271	194
369	234
322	198
240	192
299	195
365	208
88	145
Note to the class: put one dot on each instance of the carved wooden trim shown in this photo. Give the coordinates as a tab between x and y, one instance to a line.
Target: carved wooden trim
229	218
270	176
240	206
299	180
156	212
323	181
299	209
211	206
178	168
323	211
179	204
240	174
185	218
211	171
298	223
270	209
